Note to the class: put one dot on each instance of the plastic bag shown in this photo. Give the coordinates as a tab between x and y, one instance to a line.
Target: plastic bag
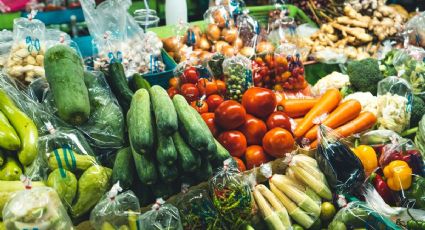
289	71
219	15
116	210
237	76
343	170
162	216
54	37
215	65
249	29
26	57
231	196
197	211
6	40
416	30
394	104
36	208
420	136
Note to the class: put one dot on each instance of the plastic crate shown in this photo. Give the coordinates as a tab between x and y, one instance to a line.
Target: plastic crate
162	78
261	13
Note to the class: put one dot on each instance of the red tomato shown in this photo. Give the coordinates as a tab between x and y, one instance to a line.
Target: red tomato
200	106
221	87
213	102
172	91
260	102
190	92
174	82
254	130
234	142
230	115
206	87
277	142
190	75
241	165
209	120
279	119
255	156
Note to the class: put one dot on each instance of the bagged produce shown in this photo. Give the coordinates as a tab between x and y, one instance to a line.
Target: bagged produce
215	65
54	37
394	104
116	210
237	76
162	216
289	71
6	40
249	31
343	170
26	57
36	208
420	136
415	30
231	195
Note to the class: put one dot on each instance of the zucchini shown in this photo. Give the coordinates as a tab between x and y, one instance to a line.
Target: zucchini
118	82
139	123
189	125
138	82
65	74
211	147
168	173
205	171
10	170
143	193
166	153
188	159
145	168
221	155
123	169
9	139
165	114
165	190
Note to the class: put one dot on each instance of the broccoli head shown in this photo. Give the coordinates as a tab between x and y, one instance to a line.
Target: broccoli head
365	75
418	110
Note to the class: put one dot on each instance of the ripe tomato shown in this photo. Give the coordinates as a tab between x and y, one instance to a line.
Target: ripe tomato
190	75
230	115
174	82
260	102
213	102
221	87
255	156
190	92
206	87
278	119
277	142
241	165
209	120
254	130
200	106
172	91
234	142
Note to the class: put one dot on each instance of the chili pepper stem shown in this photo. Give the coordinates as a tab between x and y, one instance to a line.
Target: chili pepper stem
409	132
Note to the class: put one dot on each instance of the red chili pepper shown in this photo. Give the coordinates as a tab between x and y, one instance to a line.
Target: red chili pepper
382	188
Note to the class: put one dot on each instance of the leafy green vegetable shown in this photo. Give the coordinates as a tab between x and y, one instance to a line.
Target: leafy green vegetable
365	75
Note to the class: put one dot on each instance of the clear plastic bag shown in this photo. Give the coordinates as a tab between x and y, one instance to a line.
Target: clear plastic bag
162	216
26	58
394	104
215	65
55	37
6	40
289	71
117	210
231	196
237	76
36	208
219	15
416	30
249	29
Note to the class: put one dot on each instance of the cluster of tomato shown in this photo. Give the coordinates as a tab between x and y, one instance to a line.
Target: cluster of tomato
203	94
253	132
279	72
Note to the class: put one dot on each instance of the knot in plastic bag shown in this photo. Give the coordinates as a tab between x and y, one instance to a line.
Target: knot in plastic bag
116	188
158	203
26	181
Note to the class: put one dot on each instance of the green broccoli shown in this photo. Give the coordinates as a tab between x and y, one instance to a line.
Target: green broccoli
418	110
365	75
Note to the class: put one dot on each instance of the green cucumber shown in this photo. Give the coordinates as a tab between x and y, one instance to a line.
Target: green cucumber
138	82
221	155
166	153
165	114
168	173
165	190
143	193
65	74
205	171
118	82
188	159
123	169
139	123
211	148
145	168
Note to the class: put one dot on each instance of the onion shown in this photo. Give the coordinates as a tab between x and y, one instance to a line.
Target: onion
228	51
265	47
213	32
171	44
247	51
197	30
218	17
219	46
205	55
231	35
238	44
204	44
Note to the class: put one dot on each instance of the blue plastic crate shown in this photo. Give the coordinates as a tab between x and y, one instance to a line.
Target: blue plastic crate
162	78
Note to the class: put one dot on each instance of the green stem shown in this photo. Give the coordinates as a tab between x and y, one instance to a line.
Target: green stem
409	132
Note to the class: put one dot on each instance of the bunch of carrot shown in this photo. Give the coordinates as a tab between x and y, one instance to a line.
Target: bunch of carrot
345	118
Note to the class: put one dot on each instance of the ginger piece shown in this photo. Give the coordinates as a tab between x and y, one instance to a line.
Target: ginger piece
359	33
352	22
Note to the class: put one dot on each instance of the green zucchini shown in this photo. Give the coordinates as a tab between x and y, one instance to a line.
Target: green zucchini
118	82
166	153
191	129
205	171
139	123
123	169
165	190
165	114
188	159
138	82
221	155
65	74
145	168
168	173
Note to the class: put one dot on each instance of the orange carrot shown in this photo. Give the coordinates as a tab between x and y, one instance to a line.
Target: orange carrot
326	104
296	107
344	113
363	122
298	120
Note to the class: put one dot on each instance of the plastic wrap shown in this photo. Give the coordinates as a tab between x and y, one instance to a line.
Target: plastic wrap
394	104
6	40
249	29
231	196
26	58
237	76
343	170
36	208
54	37
162	216
118	210
289	71
215	65
416	30
420	136
219	15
